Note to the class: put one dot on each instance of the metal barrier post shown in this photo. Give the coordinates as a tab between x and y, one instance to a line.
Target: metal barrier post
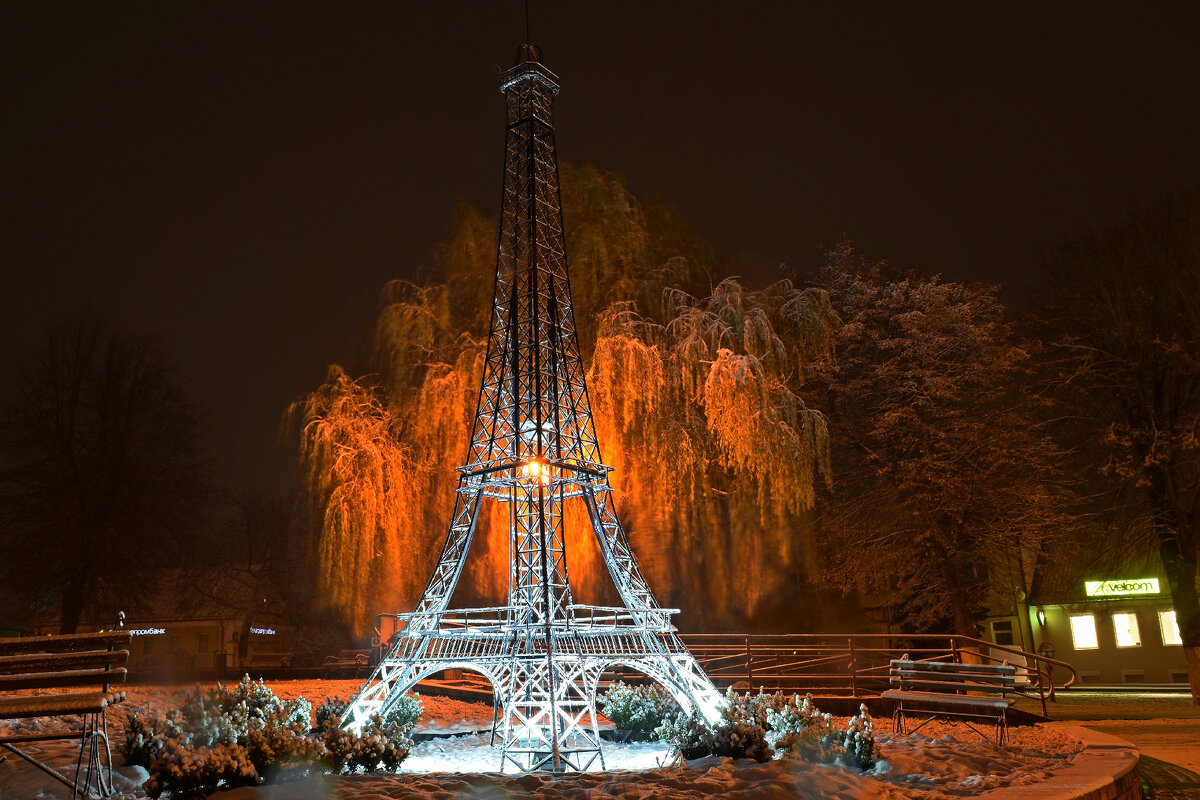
853	668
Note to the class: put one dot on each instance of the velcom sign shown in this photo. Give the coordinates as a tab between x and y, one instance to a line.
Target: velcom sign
1121	588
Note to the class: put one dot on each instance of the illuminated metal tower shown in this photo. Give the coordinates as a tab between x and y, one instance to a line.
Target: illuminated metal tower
534	447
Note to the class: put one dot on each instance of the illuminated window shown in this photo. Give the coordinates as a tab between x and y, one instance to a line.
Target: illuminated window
1170	627
1126	628
1083	632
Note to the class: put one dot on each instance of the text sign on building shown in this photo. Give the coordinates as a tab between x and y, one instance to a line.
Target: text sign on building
1121	588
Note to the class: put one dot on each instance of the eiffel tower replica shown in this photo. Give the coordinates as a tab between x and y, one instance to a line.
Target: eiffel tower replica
534	448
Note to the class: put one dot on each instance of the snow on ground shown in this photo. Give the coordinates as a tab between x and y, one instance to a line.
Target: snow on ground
940	761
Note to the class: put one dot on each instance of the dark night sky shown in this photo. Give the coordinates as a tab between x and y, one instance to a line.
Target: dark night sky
240	179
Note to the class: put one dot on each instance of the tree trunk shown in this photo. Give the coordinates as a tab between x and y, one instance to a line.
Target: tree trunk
1191	657
244	639
74	599
964	623
1179	564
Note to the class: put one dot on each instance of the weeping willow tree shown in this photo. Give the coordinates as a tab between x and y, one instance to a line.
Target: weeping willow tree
696	394
716	454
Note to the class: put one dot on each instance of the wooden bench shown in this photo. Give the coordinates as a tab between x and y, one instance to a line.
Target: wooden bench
274	662
348	661
945	689
86	665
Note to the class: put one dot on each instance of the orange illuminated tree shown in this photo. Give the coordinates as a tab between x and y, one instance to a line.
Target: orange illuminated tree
696	393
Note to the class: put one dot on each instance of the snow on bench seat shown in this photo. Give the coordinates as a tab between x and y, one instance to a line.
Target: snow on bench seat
56	662
71	677
942	698
64	642
57	705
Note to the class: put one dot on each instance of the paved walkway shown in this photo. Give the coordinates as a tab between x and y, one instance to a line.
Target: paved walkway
1170	751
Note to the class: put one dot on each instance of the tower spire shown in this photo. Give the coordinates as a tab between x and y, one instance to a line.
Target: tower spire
534	448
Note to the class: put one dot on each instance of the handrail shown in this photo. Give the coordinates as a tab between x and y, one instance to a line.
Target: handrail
850	664
857	664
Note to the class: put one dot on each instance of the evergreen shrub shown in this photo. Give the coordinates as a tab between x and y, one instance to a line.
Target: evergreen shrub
641	709
858	741
405	713
804	731
224	738
332	707
738	734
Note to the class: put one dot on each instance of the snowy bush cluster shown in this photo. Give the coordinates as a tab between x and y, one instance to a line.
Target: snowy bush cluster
800	731
406	711
858	743
224	738
638	708
332	707
804	731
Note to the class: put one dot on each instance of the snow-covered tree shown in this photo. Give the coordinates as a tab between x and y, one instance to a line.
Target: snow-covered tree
1124	314
943	473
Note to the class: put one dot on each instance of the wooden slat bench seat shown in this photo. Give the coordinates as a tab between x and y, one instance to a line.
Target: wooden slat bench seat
69	676
50	679
56	662
948	689
273	662
352	662
57	705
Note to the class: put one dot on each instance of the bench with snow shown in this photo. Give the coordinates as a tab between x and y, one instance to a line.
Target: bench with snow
273	662
34	671
348	661
945	689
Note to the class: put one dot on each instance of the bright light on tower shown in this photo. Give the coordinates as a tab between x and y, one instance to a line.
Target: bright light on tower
535	471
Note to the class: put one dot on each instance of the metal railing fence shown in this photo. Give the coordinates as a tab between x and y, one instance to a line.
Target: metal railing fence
856	665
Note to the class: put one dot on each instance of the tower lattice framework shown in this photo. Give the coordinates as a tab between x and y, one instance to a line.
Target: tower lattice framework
534	448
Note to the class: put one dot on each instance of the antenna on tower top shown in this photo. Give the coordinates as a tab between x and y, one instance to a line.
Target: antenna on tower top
527	41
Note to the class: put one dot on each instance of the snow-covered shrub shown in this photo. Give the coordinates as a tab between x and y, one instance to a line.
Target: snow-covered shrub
227	716
405	713
281	749
187	772
687	734
741	738
858	741
332	707
143	739
738	734
381	744
755	708
796	715
246	735
637	708
804	731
